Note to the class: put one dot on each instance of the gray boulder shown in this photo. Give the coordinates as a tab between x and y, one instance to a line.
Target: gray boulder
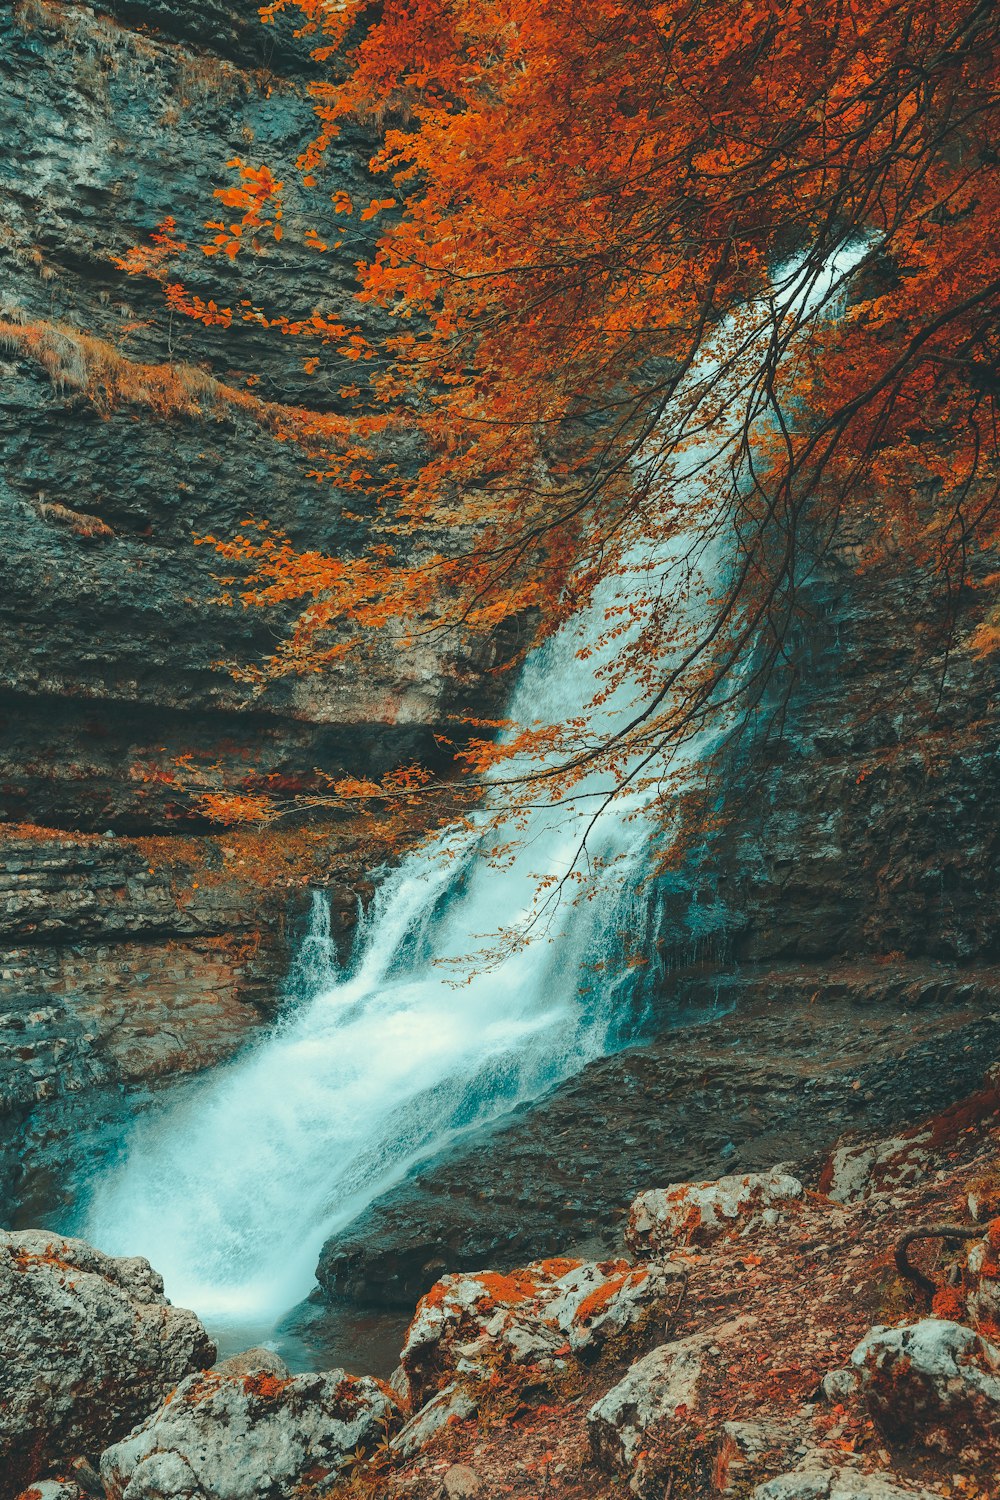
815	1481
701	1212
653	1389
934	1382
89	1345
252	1436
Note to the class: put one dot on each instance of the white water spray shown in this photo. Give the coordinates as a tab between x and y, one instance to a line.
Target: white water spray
232	1191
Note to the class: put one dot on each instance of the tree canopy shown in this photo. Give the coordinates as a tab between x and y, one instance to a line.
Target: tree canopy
597	223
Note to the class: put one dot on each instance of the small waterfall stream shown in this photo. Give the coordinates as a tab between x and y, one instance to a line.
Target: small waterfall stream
231	1190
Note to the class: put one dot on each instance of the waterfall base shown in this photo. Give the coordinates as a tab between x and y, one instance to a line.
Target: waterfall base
808	1053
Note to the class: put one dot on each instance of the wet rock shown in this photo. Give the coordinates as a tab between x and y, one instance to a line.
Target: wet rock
450	1404
249	1437
90	1346
813	1480
801	1052
983	1276
255	1361
934	1382
698	1213
534	1316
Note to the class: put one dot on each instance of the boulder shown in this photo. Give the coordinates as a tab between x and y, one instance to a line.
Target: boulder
451	1404
699	1212
255	1361
535	1316
746	1449
89	1344
856	1169
662	1384
934	1382
983	1276
249	1437
813	1480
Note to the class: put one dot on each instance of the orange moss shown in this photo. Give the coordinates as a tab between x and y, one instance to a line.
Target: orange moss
518	1286
265	1385
558	1266
598	1299
947	1303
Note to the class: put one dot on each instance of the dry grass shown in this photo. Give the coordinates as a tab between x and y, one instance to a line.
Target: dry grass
79	522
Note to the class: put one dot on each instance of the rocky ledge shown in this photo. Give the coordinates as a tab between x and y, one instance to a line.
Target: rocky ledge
778	1062
758	1339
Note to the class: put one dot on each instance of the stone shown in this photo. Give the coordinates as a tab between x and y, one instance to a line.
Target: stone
258	1360
860	1169
91	1346
745	1447
838	1385
813	1480
934	1382
698	1213
655	1388
856	1170
534	1316
249	1436
450	1404
462	1483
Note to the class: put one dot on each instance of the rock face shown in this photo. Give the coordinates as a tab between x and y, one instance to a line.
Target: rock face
89	1347
696	1213
250	1436
790	1058
125	961
935	1382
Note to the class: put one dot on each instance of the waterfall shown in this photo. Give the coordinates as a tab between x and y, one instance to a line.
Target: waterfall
232	1189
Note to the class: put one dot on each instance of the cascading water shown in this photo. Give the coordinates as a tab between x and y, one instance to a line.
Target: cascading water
232	1191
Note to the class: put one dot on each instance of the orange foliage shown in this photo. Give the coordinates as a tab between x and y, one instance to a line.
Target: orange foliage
579	198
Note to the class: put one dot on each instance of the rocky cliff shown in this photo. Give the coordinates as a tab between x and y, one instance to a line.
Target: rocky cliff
136	943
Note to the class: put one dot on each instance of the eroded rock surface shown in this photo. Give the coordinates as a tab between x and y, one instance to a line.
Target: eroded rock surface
795	1055
662	1384
820	1481
89	1346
